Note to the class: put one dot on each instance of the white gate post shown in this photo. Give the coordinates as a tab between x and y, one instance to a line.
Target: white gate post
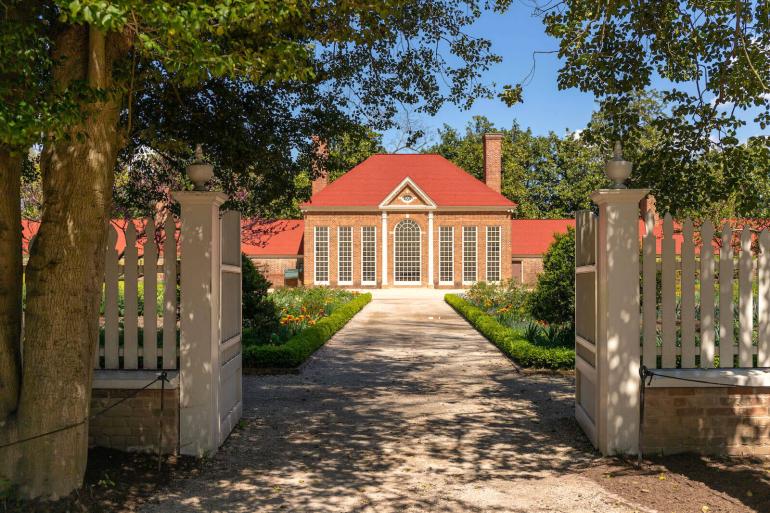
618	318
199	364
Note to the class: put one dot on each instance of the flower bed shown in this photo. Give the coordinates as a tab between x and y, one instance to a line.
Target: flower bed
510	304
512	341
306	319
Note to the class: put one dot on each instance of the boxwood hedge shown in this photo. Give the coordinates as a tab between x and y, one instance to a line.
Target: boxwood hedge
297	349
512	342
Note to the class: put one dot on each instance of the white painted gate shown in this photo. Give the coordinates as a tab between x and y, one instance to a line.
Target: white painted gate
586	396
230	360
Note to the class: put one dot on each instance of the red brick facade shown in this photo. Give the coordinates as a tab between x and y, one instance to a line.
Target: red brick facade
457	220
381	193
525	270
135	423
721	421
274	269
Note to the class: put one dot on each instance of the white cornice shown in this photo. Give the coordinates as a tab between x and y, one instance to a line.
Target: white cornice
408	208
407	182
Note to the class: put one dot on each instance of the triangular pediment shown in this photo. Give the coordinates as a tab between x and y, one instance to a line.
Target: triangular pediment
407	195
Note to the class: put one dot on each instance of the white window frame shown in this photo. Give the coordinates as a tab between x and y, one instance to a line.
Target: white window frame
316	231
475	255
498	262
350	255
371	282
419	231
451	254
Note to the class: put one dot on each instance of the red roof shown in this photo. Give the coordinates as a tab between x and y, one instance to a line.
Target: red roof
370	182
272	238
533	236
258	238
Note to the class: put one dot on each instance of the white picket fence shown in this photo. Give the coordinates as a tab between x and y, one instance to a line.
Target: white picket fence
687	329
122	348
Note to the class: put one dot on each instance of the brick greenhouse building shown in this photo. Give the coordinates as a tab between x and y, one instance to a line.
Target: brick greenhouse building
405	220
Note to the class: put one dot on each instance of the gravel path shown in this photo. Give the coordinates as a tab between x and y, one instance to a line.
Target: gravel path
407	409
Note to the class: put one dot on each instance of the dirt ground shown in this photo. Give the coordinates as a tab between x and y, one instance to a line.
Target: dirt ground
114	481
408	409
689	483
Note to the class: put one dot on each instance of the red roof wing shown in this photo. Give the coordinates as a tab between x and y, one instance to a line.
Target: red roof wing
263	238
367	184
533	236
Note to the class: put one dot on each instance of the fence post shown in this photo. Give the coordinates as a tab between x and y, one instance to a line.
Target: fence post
199	366
618	319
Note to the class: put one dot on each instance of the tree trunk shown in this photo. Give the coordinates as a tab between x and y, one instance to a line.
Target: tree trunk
10	281
64	277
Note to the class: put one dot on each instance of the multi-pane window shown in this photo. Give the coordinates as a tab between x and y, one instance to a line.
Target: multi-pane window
345	255
493	253
445	254
368	255
321	254
469	254
407	252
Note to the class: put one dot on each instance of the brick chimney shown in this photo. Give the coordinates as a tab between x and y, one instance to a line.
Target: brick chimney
493	161
320	177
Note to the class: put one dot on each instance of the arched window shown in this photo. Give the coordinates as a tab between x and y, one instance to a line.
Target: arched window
407	250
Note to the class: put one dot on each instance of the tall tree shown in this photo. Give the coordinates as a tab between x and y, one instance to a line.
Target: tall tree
714	57
77	71
547	176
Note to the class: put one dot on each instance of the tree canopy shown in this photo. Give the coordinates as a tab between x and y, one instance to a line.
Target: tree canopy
100	85
709	61
547	176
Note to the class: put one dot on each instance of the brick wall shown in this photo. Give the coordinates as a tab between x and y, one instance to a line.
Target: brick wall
133	425
480	221
457	220
732	421
273	269
531	269
333	221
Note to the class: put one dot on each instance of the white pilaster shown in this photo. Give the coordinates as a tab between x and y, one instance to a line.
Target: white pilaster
618	354
384	248
430	249
199	325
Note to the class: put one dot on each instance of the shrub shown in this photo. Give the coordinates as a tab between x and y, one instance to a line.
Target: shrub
511	341
260	315
553	299
298	348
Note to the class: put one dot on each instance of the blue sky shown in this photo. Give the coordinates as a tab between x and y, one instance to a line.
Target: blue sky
515	35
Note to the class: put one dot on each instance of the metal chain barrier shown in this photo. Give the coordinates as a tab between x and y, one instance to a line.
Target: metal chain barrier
646	375
162	377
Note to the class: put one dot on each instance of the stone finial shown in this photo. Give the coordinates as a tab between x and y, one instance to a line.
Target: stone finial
618	170
200	171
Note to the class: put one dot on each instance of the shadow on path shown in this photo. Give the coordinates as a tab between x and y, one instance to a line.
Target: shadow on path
406	409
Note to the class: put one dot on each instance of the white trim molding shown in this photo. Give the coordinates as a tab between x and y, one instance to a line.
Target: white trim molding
430	281
363	263
451	255
417	283
475	255
665	378
407	182
316	246
340	230
410	207
384	248
133	379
